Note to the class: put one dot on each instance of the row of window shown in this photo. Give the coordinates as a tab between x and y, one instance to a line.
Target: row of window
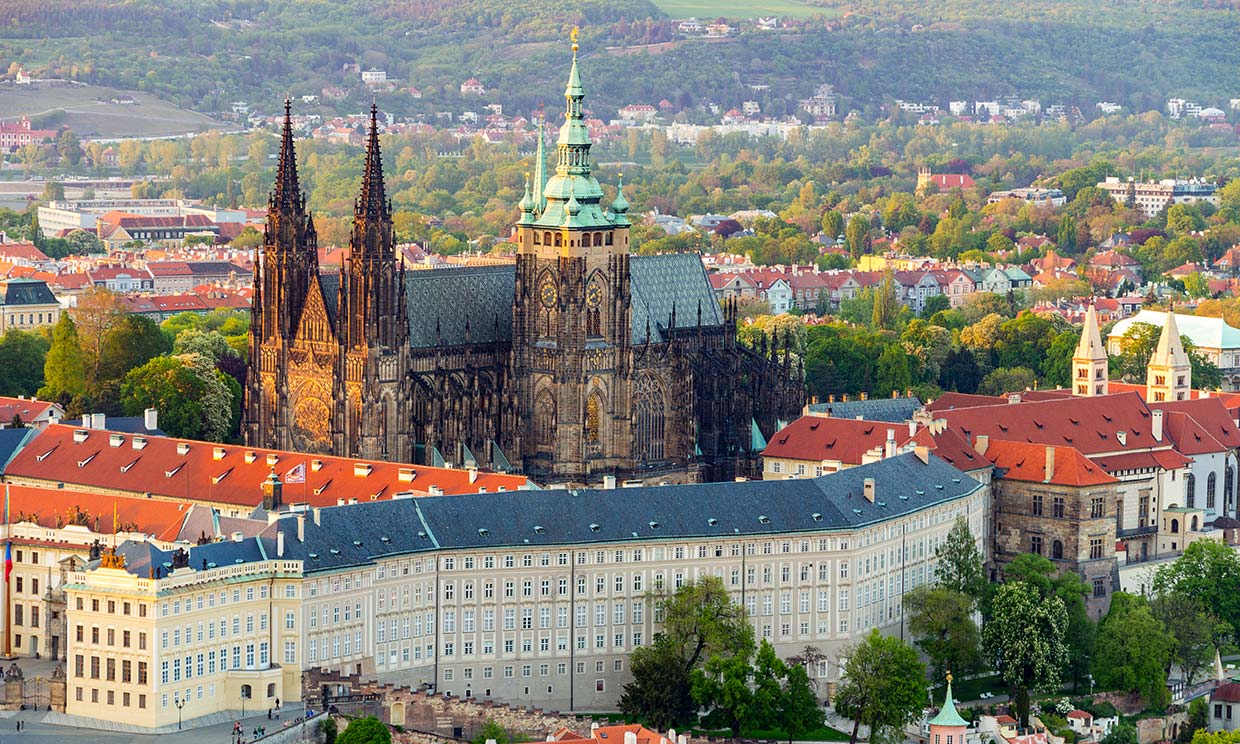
101	668
109	635
111	606
29	318
1097	547
126	698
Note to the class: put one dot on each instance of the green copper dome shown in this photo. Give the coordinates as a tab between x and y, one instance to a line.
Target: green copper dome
572	197
948	716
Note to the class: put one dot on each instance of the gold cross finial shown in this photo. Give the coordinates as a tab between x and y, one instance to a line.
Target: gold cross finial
573	35
949	677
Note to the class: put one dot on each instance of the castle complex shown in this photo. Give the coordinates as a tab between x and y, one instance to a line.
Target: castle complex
579	362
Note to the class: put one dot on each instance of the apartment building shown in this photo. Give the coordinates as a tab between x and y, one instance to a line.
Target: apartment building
533	597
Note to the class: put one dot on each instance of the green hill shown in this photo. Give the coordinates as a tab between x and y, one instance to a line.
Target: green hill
206	53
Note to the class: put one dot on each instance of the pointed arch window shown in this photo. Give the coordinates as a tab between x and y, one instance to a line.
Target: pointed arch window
1190	490
594	432
544	419
1211	481
650	419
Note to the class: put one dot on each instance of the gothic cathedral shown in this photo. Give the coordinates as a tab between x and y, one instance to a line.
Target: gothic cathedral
579	362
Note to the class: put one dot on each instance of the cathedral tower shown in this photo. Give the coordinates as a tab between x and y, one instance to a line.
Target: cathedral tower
374	326
1089	363
572	312
1170	375
289	328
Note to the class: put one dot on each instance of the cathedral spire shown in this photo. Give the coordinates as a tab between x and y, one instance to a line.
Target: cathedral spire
540	166
373	199
1169	375
1089	363
287	193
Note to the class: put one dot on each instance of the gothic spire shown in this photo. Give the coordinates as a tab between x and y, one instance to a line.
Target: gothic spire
373	200
287	192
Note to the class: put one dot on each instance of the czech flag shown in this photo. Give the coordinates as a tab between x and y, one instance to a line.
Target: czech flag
296	474
8	561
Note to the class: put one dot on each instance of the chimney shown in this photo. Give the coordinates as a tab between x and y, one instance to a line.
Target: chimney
922	453
1013	398
912	428
238	537
1156	424
593	727
98	421
473	475
273	492
301	527
150	419
869	490
279	543
316	516
865	395
982	443
609	482
630	737
895	394
1050	464
889	449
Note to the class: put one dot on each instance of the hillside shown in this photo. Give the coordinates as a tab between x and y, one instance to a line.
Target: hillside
205	54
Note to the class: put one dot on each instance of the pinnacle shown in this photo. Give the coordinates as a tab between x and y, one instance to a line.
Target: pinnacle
373	200
287	193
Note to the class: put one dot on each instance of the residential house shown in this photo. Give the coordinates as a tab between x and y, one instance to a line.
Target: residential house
32	412
27	304
121	279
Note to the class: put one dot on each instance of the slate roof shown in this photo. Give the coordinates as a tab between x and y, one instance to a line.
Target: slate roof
124	425
11	441
891	410
483	296
671	279
356	534
17	292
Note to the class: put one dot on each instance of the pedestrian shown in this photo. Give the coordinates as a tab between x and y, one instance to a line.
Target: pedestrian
269	714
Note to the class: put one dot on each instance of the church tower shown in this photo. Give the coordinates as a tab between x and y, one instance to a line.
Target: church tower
288	389
1089	363
572	312
374	327
1170	375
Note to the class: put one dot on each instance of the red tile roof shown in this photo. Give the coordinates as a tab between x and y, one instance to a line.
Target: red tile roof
610	735
22	251
45	505
1164	459
1027	462
1228	693
1190	437
952	180
1091	425
28	408
220	474
1079	714
823	438
952	401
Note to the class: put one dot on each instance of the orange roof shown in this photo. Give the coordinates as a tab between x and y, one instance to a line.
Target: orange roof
28	408
1027	462
204	472
54	508
611	735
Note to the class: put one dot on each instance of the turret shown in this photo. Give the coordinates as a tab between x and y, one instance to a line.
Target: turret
948	727
1170	374
1089	363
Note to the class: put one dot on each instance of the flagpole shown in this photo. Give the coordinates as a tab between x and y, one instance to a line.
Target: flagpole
8	569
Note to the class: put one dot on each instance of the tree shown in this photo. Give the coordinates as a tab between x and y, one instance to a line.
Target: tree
894	371
884	685
934	304
1192	628
131	343
1198	720
722	688
660	693
192	398
23	357
886	305
1126	733
960	371
210	344
769	673
329	730
1133	651
1024	639
700	622
1040	573
98	311
799	712
960	566
1007	380
368	730
832	224
1207	571
64	371
857	236
492	730
941	621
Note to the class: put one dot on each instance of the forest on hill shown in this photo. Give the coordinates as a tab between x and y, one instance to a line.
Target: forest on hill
206	53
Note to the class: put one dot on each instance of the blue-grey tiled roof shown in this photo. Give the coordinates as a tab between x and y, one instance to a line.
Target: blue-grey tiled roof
888	410
17	292
123	424
141	556
356	534
12	440
671	279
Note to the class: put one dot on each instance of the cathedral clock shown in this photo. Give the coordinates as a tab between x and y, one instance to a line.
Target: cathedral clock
547	293
594	296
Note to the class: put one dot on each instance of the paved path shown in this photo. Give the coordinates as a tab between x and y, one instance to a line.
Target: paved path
47	727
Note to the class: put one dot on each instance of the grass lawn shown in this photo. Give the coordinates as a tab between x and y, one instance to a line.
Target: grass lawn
972	689
87	116
739	8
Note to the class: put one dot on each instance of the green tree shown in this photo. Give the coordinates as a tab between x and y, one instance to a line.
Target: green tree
328	727
884	685
1193	629
886	305
722	687
1057	363
1196	285
769	673
799	713
857	236
941	621
210	344
660	693
64	372
1040	573
1133	651
960	371
1066	238
894	371
492	730
23	357
960	567
1007	380
1207	571
193	401
1126	733
368	730
131	343
934	304
832	224
1198	720
1024	639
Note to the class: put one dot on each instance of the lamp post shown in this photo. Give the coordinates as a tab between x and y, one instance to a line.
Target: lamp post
179	703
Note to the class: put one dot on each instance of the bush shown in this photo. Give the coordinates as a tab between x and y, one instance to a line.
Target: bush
328	727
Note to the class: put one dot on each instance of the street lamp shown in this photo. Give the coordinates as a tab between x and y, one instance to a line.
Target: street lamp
179	703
